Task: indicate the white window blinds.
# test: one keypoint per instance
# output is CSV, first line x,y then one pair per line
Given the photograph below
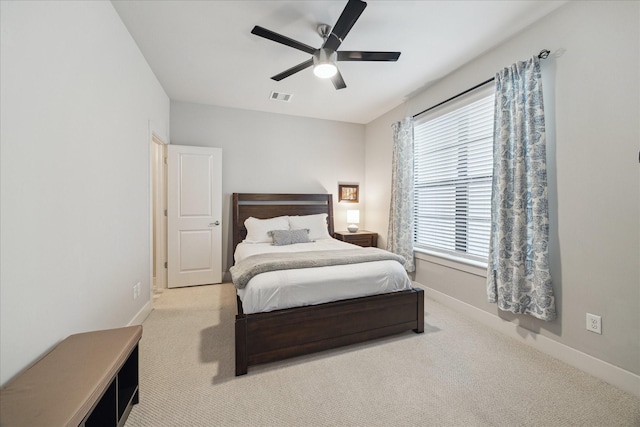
x,y
453,164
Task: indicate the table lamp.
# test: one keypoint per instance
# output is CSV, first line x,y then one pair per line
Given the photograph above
x,y
353,218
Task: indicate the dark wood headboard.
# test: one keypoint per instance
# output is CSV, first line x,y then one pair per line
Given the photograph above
x,y
266,205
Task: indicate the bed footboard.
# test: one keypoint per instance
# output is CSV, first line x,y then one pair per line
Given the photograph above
x,y
277,335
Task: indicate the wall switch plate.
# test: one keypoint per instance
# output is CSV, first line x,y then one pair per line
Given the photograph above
x,y
594,323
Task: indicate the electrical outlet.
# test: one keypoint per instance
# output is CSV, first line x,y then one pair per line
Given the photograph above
x,y
594,323
136,290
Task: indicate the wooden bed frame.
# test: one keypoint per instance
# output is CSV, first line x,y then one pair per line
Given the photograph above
x,y
276,335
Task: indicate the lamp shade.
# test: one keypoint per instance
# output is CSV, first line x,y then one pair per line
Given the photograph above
x,y
353,216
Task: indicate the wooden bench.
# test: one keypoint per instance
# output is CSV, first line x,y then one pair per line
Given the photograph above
x,y
89,379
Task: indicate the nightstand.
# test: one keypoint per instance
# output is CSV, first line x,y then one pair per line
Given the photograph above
x,y
361,238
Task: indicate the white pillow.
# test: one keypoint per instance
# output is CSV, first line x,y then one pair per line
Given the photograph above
x,y
258,229
317,225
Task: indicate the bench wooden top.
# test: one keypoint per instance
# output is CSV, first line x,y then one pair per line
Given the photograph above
x,y
61,388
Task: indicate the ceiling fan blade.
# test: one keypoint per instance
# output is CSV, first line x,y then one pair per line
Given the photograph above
x,y
347,19
279,38
367,56
338,81
293,70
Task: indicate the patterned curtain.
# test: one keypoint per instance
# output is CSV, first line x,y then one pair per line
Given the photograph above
x,y
400,236
518,276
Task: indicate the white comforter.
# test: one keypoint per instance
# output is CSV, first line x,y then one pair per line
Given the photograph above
x,y
276,290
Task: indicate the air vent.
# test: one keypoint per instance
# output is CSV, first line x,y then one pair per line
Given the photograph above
x,y
277,96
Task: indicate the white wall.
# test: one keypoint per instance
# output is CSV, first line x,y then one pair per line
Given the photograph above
x,y
274,153
76,100
591,89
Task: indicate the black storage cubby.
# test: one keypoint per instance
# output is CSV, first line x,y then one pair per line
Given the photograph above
x,y
115,404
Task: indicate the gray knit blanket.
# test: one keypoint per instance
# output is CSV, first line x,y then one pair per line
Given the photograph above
x,y
251,266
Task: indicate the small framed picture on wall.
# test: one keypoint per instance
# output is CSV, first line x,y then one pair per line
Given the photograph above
x,y
348,193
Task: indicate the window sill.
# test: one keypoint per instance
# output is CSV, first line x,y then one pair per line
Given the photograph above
x,y
469,266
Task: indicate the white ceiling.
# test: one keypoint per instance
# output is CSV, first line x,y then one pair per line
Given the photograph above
x,y
203,51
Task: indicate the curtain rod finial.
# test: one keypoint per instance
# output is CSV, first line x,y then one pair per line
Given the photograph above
x,y
544,54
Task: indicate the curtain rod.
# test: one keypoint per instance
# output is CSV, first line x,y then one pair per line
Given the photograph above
x,y
544,54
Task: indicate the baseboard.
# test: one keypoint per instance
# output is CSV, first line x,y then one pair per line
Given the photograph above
x,y
618,377
144,312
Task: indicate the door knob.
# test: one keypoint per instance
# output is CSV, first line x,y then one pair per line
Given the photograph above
x,y
214,223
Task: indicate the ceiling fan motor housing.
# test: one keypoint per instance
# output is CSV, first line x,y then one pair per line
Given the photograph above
x,y
324,56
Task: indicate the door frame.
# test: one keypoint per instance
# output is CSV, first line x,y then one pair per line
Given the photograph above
x,y
157,208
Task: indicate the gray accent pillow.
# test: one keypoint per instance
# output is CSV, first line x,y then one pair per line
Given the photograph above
x,y
289,237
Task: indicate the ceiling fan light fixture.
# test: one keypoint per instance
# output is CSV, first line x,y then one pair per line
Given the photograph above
x,y
324,63
325,71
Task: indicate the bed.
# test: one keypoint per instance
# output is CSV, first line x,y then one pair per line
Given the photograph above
x,y
262,337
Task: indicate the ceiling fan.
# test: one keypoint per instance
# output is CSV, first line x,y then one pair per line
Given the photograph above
x,y
324,59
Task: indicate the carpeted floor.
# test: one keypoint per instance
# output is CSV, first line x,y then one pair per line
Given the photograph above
x,y
458,373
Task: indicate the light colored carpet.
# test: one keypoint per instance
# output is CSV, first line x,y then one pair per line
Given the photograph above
x,y
458,373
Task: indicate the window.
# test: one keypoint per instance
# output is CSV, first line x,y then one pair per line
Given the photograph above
x,y
453,161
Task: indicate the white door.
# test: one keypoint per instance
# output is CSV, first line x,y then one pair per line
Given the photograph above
x,y
194,215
